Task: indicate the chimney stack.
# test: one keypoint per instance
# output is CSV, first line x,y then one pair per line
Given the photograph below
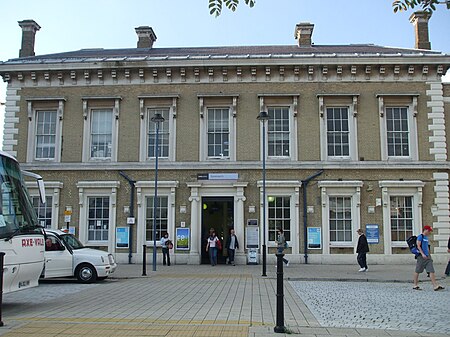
x,y
420,22
29,29
303,33
146,36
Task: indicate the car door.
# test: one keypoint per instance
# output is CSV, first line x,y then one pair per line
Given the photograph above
x,y
58,259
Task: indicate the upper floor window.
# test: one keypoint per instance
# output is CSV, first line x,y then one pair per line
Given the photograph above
x,y
218,132
278,132
163,133
101,133
281,127
101,128
218,126
397,131
338,132
166,105
398,127
45,117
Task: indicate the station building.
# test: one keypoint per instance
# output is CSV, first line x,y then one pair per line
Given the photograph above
x,y
356,138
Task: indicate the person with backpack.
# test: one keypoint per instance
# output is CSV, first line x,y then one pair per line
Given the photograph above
x,y
424,260
362,249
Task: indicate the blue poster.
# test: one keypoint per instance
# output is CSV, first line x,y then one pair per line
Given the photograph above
x,y
122,237
373,233
182,242
314,238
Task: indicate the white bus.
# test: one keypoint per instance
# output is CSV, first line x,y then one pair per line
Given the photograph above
x,y
21,236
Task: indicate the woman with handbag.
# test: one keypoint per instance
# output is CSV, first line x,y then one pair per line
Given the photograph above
x,y
166,245
212,246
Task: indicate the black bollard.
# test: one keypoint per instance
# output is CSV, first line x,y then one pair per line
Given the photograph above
x,y
280,328
2,258
144,260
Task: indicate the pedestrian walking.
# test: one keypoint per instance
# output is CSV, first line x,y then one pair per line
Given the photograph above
x,y
166,245
447,270
424,260
362,249
232,244
281,244
212,246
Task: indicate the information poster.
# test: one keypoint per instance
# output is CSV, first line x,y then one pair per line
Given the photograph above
x,y
314,238
373,233
252,237
122,237
183,235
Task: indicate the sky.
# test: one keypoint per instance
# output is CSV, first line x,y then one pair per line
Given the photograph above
x,y
74,25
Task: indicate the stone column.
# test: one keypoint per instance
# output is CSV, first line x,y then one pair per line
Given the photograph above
x,y
194,254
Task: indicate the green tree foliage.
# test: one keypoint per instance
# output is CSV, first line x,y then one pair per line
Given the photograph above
x,y
215,6
426,5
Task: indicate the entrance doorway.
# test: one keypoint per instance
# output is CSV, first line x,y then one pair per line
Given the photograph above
x,y
217,213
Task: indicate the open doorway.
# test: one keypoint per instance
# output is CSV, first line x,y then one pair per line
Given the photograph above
x,y
217,213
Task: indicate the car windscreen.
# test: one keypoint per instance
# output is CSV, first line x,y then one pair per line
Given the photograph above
x,y
71,241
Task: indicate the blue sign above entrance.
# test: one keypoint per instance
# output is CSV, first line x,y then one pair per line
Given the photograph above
x,y
217,176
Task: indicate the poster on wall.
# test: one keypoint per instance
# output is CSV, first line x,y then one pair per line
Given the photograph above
x,y
122,237
314,238
182,241
252,237
373,233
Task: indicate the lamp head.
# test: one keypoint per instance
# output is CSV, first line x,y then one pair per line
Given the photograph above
x,y
157,118
263,116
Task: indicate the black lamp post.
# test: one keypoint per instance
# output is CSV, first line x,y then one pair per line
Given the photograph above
x,y
157,118
263,117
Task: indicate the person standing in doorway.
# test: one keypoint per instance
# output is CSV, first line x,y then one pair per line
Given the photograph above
x,y
447,270
165,243
281,245
211,247
232,244
424,260
362,249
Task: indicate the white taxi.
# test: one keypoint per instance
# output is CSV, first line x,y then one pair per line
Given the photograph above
x,y
65,256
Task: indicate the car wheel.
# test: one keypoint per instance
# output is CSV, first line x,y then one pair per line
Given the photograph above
x,y
86,273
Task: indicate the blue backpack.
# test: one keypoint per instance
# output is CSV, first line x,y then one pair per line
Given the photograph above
x,y
412,244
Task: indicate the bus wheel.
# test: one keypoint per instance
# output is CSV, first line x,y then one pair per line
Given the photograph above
x,y
86,273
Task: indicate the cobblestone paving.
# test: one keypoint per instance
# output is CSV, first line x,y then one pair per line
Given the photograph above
x,y
376,305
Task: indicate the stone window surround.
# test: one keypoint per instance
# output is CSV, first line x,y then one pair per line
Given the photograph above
x,y
412,124
32,108
291,101
87,113
147,102
390,188
53,189
336,101
207,101
347,188
97,189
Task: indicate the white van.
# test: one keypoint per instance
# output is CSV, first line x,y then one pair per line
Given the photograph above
x,y
65,256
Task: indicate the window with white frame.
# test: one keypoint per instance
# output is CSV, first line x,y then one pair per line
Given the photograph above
x,y
101,133
218,132
46,123
402,217
397,131
340,218
98,218
43,211
398,127
341,214
278,132
163,133
45,116
338,140
279,216
162,217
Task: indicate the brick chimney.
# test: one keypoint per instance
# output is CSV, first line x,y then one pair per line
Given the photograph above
x,y
146,36
303,33
29,29
420,22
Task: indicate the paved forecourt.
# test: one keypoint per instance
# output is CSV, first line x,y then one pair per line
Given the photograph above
x,y
174,301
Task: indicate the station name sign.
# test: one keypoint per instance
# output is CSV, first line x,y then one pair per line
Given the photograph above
x,y
217,176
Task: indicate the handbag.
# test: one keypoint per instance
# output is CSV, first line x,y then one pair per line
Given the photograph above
x,y
218,244
170,245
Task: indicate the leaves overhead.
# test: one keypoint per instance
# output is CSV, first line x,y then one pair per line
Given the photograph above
x,y
215,6
425,5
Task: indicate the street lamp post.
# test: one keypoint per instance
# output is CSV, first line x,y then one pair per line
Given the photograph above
x,y
263,117
157,118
